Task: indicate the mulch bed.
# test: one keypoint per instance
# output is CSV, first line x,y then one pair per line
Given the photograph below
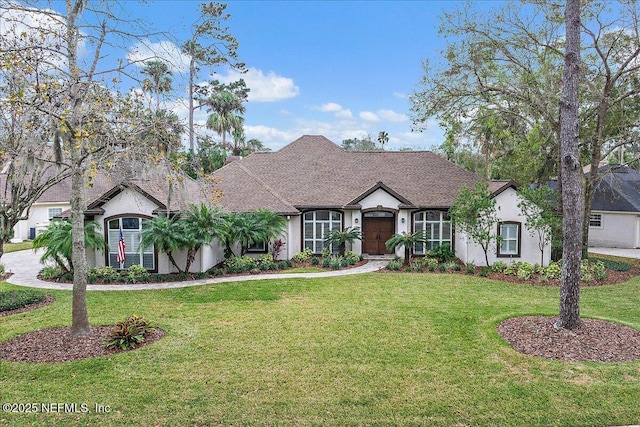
x,y
594,341
57,345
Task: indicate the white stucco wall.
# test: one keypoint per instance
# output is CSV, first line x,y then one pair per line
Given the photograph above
x,y
38,218
618,230
507,202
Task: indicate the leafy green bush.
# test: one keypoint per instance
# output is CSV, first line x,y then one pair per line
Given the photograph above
x,y
304,255
452,265
613,265
129,333
215,271
351,257
553,271
430,263
442,252
471,268
484,271
50,272
240,264
395,264
524,271
326,261
137,273
335,261
104,274
499,267
18,298
592,270
599,270
415,265
264,259
266,266
284,264
315,260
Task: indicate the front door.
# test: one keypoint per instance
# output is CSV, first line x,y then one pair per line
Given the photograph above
x,y
377,230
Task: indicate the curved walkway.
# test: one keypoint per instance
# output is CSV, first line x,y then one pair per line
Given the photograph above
x,y
25,266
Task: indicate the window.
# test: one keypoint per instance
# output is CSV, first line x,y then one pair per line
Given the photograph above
x,y
53,212
509,239
132,233
595,220
316,225
258,247
437,225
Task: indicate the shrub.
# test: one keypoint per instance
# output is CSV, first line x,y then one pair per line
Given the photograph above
x,y
430,263
215,271
264,259
325,261
129,333
499,267
442,252
137,273
525,271
351,257
304,255
553,271
452,265
511,269
201,275
315,260
415,265
240,264
282,265
599,270
18,298
484,271
471,268
326,252
265,266
395,264
613,265
105,274
335,261
50,272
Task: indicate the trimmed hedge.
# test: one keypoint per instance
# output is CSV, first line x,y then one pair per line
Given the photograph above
x,y
14,299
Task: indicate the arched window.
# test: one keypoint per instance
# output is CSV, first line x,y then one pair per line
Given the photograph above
x,y
437,225
131,228
316,225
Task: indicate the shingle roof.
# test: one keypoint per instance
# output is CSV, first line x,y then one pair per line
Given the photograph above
x,y
617,190
312,171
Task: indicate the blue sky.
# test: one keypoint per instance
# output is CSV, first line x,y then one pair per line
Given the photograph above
x,y
338,68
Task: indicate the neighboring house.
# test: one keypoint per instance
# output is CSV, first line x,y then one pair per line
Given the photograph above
x,y
615,211
320,187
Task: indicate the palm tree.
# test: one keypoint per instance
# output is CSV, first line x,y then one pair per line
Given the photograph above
x,y
202,223
406,239
57,241
341,238
270,224
383,138
225,117
160,79
166,234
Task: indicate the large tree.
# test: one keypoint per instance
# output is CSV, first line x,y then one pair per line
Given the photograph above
x,y
496,89
211,44
226,104
570,174
95,126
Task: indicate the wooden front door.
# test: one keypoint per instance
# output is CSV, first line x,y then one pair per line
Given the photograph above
x,y
376,230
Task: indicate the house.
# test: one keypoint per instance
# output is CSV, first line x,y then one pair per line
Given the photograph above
x,y
615,210
320,187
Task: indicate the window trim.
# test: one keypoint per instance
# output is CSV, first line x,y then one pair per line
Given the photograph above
x,y
442,221
106,238
58,212
518,254
314,211
600,220
258,248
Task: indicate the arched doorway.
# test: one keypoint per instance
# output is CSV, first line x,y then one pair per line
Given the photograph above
x,y
377,228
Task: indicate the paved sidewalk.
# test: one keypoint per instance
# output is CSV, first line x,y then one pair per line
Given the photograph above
x,y
25,266
626,253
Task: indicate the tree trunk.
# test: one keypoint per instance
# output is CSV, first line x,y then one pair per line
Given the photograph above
x,y
192,72
571,175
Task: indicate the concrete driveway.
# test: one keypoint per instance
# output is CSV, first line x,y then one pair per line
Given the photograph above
x,y
626,253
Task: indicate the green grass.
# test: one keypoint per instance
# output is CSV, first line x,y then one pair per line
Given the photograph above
x,y
13,247
374,349
303,270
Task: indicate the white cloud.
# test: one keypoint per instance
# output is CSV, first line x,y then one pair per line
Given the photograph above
x,y
368,116
264,87
400,95
392,116
165,51
330,107
344,115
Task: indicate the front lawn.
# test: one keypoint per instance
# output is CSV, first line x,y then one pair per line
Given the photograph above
x,y
381,349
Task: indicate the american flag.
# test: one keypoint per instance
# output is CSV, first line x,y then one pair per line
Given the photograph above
x,y
121,255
